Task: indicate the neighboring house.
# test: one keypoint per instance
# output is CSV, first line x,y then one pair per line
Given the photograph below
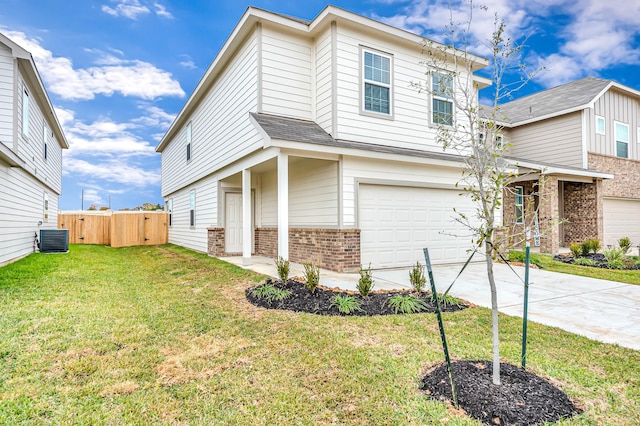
x,y
31,143
305,139
585,137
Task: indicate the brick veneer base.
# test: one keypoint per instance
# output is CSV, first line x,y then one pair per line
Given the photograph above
x,y
334,249
215,241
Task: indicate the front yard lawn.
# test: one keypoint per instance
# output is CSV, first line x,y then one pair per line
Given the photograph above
x,y
161,334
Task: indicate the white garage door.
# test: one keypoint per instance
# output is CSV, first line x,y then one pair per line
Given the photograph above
x,y
397,222
621,219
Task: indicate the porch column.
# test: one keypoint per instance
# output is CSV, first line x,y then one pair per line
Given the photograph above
x,y
549,216
247,223
283,205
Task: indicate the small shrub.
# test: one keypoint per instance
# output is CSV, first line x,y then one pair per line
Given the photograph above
x,y
365,282
585,248
417,278
594,245
282,267
576,250
625,244
407,304
312,276
446,300
616,264
346,304
270,292
614,254
585,261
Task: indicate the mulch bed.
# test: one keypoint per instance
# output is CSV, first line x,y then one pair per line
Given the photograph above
x,y
598,258
319,302
522,399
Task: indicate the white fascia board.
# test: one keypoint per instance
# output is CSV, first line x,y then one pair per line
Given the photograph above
x,y
247,162
554,170
548,116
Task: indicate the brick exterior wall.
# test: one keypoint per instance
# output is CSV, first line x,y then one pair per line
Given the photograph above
x,y
334,249
626,183
580,207
215,241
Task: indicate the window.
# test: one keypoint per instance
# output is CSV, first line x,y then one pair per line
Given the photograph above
x,y
622,140
45,207
442,95
499,141
25,113
45,139
519,204
170,210
599,125
188,130
192,208
377,82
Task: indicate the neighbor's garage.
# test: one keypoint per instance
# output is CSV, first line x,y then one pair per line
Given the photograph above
x,y
621,219
397,222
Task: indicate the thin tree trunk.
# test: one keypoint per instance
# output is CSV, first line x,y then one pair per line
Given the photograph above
x,y
494,310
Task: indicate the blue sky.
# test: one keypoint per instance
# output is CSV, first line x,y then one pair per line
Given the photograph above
x,y
119,71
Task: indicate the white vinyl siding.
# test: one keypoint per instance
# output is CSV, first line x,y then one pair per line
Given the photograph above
x,y
313,194
21,208
221,124
286,74
324,82
376,74
556,140
614,106
6,95
622,139
181,233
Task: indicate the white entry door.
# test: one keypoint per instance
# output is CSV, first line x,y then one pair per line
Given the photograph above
x,y
233,223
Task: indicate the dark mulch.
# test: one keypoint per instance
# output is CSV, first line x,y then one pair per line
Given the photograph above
x,y
319,302
598,258
522,399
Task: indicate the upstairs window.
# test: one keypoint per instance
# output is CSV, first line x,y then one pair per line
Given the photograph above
x,y
192,208
519,204
599,125
45,207
188,131
45,141
376,82
622,140
170,211
25,113
442,99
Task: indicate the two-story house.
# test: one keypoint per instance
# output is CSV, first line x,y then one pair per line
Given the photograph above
x,y
306,139
584,136
31,144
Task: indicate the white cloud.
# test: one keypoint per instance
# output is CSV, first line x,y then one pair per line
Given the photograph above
x,y
92,196
113,75
112,171
132,9
187,62
154,117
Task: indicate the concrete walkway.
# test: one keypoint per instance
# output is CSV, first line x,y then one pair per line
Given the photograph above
x,y
602,310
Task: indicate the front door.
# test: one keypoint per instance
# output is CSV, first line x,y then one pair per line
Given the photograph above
x,y
233,225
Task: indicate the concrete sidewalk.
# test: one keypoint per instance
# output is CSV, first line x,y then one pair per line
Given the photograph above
x,y
602,310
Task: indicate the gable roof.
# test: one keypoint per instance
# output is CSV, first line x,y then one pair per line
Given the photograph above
x,y
302,27
28,66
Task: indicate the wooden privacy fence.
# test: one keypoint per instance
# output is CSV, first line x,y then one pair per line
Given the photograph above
x,y
117,229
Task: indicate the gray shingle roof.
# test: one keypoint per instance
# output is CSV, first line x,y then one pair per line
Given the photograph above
x,y
296,130
554,100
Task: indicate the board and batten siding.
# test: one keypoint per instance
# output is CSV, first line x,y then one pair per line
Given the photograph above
x,y
6,95
613,106
180,232
389,173
324,83
286,74
220,125
313,194
21,208
557,140
409,124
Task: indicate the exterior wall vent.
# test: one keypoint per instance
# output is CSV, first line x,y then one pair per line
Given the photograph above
x,y
54,240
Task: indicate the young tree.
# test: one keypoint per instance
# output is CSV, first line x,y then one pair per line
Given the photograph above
x,y
473,131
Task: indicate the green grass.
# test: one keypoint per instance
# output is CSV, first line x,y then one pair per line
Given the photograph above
x,y
547,262
163,335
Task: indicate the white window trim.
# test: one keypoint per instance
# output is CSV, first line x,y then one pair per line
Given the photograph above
x,y
189,141
519,189
604,125
363,81
192,209
25,113
615,138
442,98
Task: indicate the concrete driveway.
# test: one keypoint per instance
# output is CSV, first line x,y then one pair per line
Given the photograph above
x,y
602,310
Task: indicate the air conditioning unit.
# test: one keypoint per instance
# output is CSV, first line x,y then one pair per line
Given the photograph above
x,y
54,240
